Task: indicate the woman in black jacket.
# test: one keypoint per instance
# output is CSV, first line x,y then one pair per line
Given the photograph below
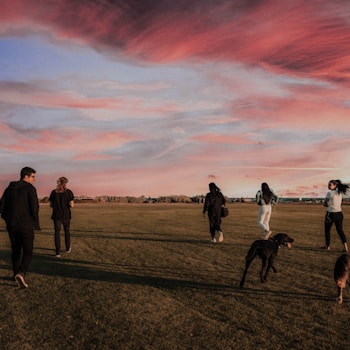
x,y
61,200
214,200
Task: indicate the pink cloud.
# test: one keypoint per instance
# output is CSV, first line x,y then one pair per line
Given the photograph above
x,y
39,95
34,95
306,38
222,139
76,141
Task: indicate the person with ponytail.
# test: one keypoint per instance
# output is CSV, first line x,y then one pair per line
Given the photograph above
x,y
214,200
265,198
334,214
61,200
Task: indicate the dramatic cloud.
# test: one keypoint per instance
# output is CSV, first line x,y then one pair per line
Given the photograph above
x,y
308,39
151,96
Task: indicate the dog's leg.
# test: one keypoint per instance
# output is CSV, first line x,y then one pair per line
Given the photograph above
x,y
269,265
263,265
247,264
340,295
272,259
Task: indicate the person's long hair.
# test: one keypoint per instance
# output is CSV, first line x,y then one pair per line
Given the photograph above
x,y
61,184
341,188
213,188
266,192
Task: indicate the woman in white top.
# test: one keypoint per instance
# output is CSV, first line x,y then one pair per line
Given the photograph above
x,y
264,198
334,213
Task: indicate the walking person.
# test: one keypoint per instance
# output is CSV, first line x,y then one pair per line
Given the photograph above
x,y
20,209
265,198
61,200
334,214
213,202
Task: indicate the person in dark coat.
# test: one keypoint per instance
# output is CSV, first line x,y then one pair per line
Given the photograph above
x,y
62,200
213,202
19,208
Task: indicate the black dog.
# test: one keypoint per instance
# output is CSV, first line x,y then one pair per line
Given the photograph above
x,y
341,274
267,250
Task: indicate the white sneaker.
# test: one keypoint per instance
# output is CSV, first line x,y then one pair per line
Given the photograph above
x,y
69,250
221,236
20,281
213,240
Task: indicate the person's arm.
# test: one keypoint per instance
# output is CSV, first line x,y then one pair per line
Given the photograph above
x,y
206,204
274,199
51,199
223,200
2,203
71,199
258,196
34,207
326,200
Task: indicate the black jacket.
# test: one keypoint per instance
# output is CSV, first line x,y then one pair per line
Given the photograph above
x,y
213,203
19,206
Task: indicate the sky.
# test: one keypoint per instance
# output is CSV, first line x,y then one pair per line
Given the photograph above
x,y
162,97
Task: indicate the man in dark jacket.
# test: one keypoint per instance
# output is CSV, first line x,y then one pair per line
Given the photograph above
x,y
20,209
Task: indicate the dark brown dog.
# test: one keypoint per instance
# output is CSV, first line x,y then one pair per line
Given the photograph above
x,y
341,274
267,250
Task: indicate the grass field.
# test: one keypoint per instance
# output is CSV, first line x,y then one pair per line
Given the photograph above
x,y
145,276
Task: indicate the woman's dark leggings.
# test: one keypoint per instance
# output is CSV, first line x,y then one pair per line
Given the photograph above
x,y
214,224
337,219
66,226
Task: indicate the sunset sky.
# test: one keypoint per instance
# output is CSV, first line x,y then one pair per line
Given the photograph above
x,y
161,97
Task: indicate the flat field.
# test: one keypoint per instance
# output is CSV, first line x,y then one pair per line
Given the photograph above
x,y
145,276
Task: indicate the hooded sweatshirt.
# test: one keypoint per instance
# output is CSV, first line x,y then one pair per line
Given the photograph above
x,y
20,206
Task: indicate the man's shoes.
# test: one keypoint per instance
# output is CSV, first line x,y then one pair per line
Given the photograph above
x,y
20,281
213,240
68,250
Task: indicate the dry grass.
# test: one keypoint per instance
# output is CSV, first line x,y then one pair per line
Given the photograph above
x,y
146,277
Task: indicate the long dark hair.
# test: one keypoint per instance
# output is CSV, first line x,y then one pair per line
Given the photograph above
x,y
266,192
213,188
343,188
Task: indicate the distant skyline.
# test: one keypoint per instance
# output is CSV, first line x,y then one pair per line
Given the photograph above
x,y
156,98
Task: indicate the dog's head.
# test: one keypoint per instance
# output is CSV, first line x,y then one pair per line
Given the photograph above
x,y
283,239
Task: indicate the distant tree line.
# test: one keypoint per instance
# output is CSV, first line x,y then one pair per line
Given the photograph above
x,y
180,199
141,199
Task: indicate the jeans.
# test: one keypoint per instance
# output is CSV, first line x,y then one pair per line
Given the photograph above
x,y
22,243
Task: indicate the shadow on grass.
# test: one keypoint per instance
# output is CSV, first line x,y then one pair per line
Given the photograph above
x,y
131,236
167,278
277,294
